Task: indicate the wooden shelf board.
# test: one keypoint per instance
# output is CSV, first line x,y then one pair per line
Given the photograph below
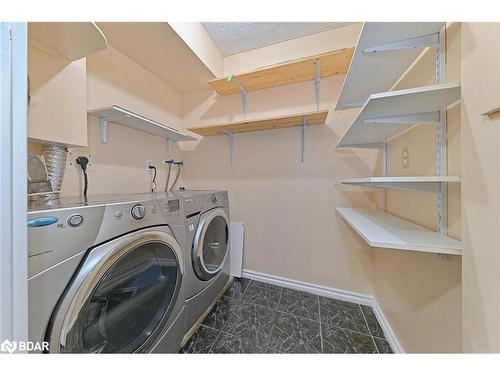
x,y
72,40
378,72
418,100
331,63
383,230
269,123
124,117
422,183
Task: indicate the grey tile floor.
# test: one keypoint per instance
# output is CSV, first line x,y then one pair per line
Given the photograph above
x,y
254,317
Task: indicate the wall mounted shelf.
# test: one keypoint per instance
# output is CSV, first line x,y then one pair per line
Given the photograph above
x,y
420,183
72,40
268,123
124,117
387,114
331,63
383,230
384,52
301,120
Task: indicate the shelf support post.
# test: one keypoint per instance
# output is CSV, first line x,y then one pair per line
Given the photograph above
x,y
244,97
317,83
303,128
230,138
383,172
441,137
103,130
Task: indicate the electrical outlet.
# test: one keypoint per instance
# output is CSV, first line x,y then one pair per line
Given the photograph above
x,y
149,163
71,161
405,158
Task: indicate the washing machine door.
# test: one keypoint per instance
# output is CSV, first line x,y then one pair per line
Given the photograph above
x,y
211,243
121,297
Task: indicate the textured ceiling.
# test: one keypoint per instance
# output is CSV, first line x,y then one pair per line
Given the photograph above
x,y
236,37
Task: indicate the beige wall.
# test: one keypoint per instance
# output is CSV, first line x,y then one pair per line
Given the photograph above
x,y
480,187
420,293
288,207
119,165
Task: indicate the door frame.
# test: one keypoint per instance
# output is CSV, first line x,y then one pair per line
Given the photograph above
x,y
13,183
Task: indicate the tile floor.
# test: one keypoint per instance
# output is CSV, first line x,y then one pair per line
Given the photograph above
x,y
254,317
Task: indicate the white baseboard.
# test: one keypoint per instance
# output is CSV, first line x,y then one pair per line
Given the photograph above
x,y
388,331
341,294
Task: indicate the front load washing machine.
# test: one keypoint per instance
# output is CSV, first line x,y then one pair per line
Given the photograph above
x,y
207,245
106,275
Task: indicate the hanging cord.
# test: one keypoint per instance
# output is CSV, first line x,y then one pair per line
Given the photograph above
x,y
169,162
83,161
153,182
179,165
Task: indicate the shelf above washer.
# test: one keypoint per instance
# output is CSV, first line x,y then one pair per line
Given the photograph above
x,y
419,183
124,117
72,40
331,63
268,123
389,113
383,230
384,52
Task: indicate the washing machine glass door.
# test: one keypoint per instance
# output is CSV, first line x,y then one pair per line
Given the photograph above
x,y
211,244
121,303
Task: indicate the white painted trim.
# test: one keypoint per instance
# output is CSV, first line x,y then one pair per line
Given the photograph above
x,y
13,173
386,327
341,294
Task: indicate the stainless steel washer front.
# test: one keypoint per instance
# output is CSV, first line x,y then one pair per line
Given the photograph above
x,y
122,297
211,243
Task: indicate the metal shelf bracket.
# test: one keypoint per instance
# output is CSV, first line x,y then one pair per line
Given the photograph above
x,y
169,147
430,40
317,83
103,130
244,97
415,118
230,138
303,128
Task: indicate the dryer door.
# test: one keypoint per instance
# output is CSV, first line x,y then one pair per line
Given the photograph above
x,y
211,244
121,297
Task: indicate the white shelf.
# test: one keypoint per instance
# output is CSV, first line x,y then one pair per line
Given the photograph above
x,y
387,114
124,117
371,72
380,229
421,183
72,40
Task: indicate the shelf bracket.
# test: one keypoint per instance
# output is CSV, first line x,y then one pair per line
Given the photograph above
x,y
303,128
430,40
169,147
244,97
415,118
103,130
317,83
230,138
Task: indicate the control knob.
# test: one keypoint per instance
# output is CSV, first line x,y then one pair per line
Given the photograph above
x,y
138,212
214,199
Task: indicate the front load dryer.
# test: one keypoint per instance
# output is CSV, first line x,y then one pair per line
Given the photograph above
x,y
105,277
207,245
